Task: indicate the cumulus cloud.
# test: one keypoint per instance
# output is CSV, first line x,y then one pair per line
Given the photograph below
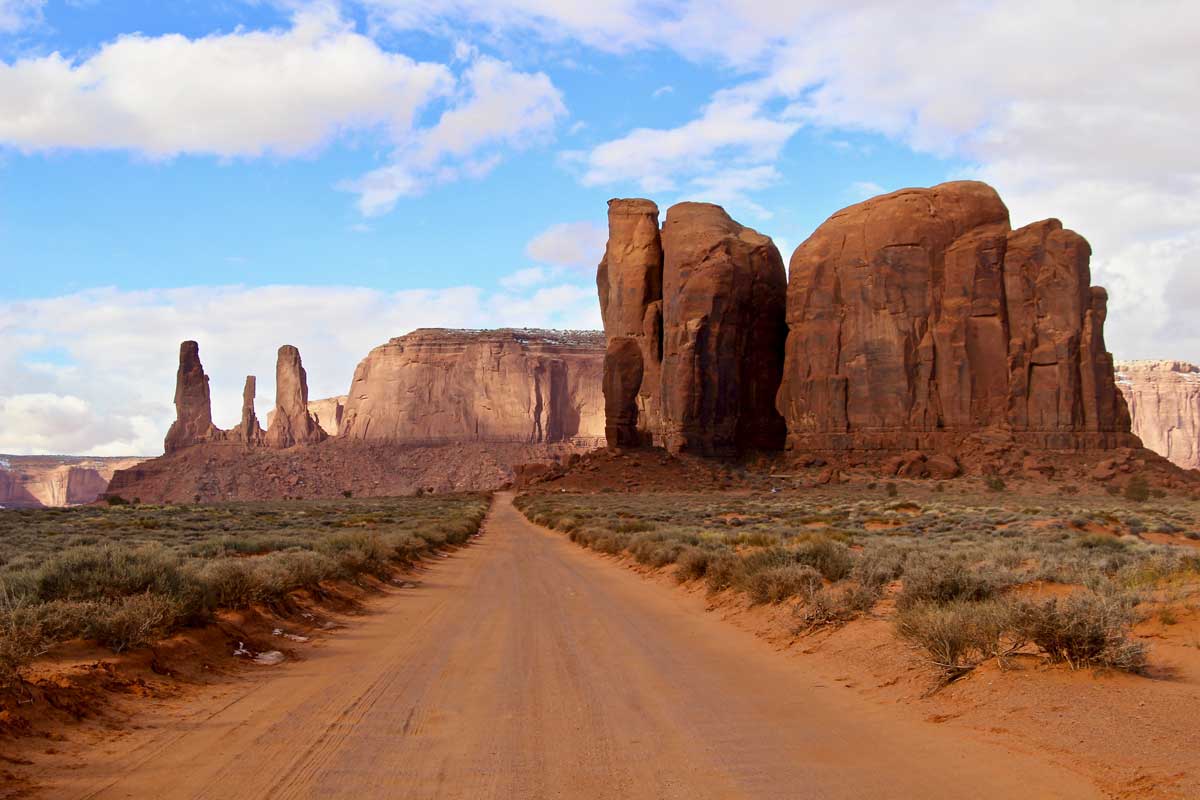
x,y
119,350
731,132
285,93
576,245
497,106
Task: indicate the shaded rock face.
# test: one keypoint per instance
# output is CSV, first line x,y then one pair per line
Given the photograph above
x,y
919,317
291,424
193,408
694,319
327,411
1164,403
248,430
437,386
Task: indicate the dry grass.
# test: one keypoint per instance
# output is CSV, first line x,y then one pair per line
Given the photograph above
x,y
951,562
126,575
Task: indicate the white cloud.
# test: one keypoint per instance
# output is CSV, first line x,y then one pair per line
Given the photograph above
x,y
498,106
526,278
732,187
732,131
284,93
119,349
660,91
18,14
246,93
578,245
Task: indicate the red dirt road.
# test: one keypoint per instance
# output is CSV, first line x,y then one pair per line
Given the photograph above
x,y
526,667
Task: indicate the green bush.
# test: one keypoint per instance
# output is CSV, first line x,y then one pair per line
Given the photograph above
x,y
832,559
692,563
1137,489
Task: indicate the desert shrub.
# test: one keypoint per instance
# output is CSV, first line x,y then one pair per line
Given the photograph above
x,y
633,526
959,635
101,572
721,571
692,563
945,581
838,604
891,489
1100,542
775,584
879,565
1137,489
22,638
131,621
994,483
1085,629
365,552
230,581
832,559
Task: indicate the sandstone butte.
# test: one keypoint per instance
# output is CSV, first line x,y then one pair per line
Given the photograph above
x,y
1164,402
437,385
437,409
914,321
693,315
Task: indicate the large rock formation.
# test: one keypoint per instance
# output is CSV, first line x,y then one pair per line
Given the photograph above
x,y
694,320
919,318
52,481
436,386
291,424
193,407
1164,403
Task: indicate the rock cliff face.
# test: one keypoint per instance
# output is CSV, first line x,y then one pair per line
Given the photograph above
x,y
919,317
327,412
33,481
437,386
693,315
1164,402
291,424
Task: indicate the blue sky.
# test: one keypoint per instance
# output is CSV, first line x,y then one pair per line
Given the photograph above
x,y
329,174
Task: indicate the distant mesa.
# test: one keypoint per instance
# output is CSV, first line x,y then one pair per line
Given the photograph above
x,y
437,385
55,481
1164,402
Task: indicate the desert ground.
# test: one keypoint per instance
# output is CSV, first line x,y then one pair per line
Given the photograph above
x,y
518,663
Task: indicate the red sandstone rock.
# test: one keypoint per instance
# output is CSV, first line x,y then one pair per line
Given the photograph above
x,y
328,412
248,430
292,424
693,316
919,318
193,408
436,385
942,467
1164,403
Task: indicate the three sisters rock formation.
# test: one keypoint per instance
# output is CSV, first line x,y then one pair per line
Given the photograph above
x,y
911,321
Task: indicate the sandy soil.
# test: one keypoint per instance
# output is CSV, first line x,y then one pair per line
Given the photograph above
x,y
525,667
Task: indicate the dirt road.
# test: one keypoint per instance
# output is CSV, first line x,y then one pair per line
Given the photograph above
x,y
525,667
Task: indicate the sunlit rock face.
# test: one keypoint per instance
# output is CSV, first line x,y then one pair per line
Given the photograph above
x,y
919,317
1164,403
438,385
